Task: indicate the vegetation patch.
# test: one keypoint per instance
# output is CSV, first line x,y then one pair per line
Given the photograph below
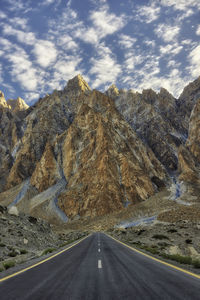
x,y
179,258
196,263
12,254
172,230
160,237
9,264
188,241
2,245
48,250
23,251
151,249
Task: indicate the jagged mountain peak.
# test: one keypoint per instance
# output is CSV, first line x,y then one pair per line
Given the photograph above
x,y
17,104
164,92
77,84
112,91
3,102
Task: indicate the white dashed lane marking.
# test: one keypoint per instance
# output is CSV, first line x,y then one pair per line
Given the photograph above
x,y
99,264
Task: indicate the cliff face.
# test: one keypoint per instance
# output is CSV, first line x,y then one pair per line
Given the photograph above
x,y
189,156
84,153
153,117
11,131
104,162
187,100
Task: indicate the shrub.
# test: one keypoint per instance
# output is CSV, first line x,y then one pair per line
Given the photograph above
x,y
23,251
12,254
179,258
2,245
48,250
172,230
1,269
9,264
188,241
160,237
196,263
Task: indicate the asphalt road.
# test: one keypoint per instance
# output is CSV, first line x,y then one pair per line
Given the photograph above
x,y
100,268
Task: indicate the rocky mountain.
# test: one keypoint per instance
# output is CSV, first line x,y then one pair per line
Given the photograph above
x,y
79,153
154,118
11,131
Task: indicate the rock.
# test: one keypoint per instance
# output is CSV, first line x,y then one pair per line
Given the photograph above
x,y
112,92
146,113
17,105
46,172
32,220
102,170
173,250
76,86
25,241
193,253
193,141
187,100
13,211
3,103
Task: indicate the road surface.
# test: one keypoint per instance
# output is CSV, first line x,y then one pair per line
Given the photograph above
x,y
100,268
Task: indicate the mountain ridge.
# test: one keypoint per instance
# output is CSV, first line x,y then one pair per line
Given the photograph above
x,y
112,149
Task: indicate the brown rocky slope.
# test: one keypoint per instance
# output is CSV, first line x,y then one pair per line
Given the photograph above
x,y
80,152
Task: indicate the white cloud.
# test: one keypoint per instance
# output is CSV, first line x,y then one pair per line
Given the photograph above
x,y
173,63
67,66
20,22
22,36
180,4
151,43
186,42
5,44
132,59
167,33
29,97
89,35
2,15
67,42
126,41
45,53
198,30
22,69
171,49
104,67
47,2
19,5
194,58
186,14
103,24
148,13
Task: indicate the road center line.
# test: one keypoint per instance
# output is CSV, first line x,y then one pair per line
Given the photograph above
x,y
99,264
99,250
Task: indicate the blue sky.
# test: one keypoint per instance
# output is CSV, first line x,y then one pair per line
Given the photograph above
x,y
135,44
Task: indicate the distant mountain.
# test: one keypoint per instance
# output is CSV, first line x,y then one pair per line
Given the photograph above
x,y
81,153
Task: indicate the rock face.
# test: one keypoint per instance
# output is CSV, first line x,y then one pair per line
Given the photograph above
x,y
187,100
153,117
104,162
46,172
83,153
189,156
11,131
17,105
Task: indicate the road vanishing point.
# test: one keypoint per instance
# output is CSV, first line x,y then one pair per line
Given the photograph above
x,y
100,268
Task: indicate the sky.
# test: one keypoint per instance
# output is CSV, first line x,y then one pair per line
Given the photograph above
x,y
135,44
